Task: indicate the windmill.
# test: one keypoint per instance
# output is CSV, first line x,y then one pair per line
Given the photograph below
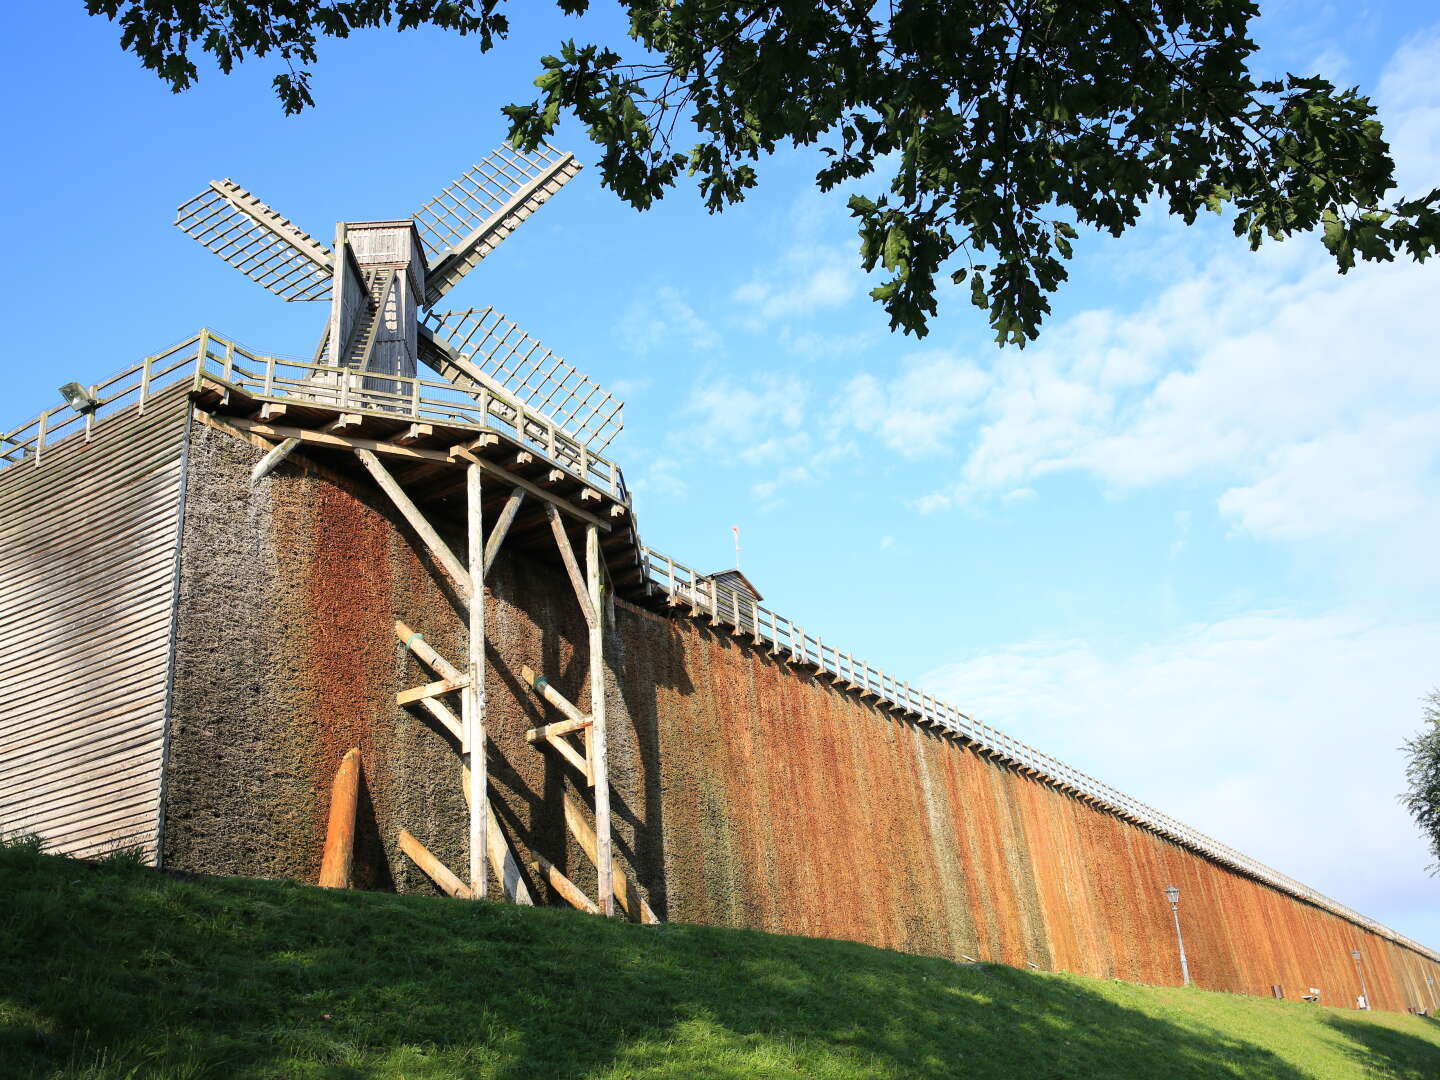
x,y
383,278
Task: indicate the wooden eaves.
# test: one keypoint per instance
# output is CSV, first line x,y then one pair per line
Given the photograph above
x,y
428,461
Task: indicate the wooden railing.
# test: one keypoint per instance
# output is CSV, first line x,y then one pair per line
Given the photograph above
x,y
278,379
722,604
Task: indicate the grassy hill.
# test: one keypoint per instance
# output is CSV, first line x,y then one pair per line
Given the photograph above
x,y
111,969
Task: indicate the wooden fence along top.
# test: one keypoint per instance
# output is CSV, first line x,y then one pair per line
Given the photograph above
x,y
207,356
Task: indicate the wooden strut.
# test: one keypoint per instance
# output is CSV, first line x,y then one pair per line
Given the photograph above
x,y
437,871
267,464
562,884
438,548
440,711
473,701
430,690
553,734
502,858
337,862
599,756
625,890
502,526
567,556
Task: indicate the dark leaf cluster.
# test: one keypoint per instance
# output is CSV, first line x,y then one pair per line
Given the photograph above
x,y
1422,776
987,130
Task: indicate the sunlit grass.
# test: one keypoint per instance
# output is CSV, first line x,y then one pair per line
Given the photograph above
x,y
113,970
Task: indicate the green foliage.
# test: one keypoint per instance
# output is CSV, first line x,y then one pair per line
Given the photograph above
x,y
1422,776
114,970
995,126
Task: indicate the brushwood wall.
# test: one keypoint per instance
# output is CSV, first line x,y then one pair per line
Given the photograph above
x,y
746,792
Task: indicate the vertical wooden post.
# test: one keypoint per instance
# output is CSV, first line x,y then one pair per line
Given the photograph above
x,y
600,758
336,865
473,703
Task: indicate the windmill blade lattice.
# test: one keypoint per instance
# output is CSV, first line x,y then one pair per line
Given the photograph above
x,y
475,214
257,241
532,373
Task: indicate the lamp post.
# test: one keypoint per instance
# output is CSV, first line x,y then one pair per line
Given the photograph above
x,y
1173,895
1360,970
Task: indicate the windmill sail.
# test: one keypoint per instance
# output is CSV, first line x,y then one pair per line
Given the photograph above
x,y
472,216
257,241
492,346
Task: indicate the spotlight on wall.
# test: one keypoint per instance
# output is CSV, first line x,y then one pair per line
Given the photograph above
x,y
79,399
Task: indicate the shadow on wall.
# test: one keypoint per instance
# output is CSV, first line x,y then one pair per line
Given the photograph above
x,y
1383,1051
112,967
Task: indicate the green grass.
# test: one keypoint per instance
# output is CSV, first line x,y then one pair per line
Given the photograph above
x,y
111,969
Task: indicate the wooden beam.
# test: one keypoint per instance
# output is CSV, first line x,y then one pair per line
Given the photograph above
x,y
534,489
266,465
345,422
273,410
554,731
246,433
430,690
337,861
502,858
599,756
437,871
625,891
562,884
570,754
447,719
414,433
417,644
438,548
541,686
474,699
339,442
567,556
502,526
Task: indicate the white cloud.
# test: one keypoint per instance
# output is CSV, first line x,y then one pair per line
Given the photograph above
x,y
918,411
805,279
1409,102
1272,732
664,318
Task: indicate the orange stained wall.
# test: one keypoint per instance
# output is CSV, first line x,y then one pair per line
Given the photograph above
x,y
791,805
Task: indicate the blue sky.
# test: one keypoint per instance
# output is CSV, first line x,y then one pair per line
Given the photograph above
x,y
1185,541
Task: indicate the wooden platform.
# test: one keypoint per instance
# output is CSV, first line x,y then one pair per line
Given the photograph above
x,y
426,461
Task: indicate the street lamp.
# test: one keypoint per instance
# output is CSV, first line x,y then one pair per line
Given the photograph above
x,y
1360,970
1173,895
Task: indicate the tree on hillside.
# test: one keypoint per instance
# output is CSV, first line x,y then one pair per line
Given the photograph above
x,y
996,126
1422,774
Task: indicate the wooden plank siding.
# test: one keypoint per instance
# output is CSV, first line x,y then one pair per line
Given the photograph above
x,y
88,546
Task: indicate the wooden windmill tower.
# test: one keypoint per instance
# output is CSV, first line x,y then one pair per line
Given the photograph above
x,y
383,278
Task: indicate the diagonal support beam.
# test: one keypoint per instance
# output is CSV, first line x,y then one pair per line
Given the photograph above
x,y
562,884
442,667
625,890
573,756
437,870
502,856
416,643
541,686
266,465
567,556
502,526
438,548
